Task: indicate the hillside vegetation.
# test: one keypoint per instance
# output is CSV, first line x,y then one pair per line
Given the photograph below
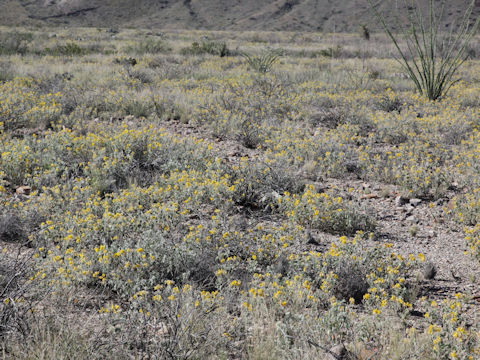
x,y
304,15
233,195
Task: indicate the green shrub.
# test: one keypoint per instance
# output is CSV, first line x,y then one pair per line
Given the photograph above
x,y
68,49
207,47
12,43
148,46
331,52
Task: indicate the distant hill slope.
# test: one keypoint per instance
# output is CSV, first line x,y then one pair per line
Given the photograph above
x,y
305,15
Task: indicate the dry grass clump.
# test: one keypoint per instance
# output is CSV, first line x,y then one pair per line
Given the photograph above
x,y
11,228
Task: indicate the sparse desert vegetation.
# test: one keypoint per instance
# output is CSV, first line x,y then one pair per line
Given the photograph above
x,y
234,195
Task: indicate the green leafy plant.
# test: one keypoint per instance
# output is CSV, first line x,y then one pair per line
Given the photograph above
x,y
263,62
207,47
430,58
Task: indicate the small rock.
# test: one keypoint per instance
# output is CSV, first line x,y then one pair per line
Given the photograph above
x,y
269,198
431,233
415,202
162,330
370,196
24,190
366,354
409,209
400,201
234,153
453,186
311,240
451,204
455,276
429,271
412,219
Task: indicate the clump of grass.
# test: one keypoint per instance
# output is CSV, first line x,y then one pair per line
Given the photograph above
x,y
351,282
329,118
11,228
430,59
262,63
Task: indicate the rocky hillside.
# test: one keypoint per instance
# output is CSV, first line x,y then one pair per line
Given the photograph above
x,y
304,15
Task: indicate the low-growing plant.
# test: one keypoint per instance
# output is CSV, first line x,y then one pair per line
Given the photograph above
x,y
15,307
12,228
250,135
22,104
207,47
138,108
217,240
170,322
329,118
258,185
351,282
6,72
68,49
390,103
125,61
149,46
326,212
262,63
332,52
12,43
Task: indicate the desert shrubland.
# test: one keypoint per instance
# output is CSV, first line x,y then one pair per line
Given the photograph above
x,y
187,202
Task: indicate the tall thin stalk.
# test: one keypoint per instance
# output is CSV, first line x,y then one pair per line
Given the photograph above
x,y
430,58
